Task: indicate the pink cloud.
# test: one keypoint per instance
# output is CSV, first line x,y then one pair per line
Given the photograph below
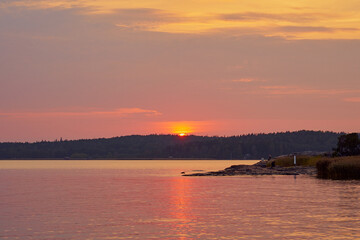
x,y
120,113
244,80
354,99
295,90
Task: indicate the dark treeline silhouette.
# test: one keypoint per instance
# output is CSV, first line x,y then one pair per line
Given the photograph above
x,y
348,145
251,146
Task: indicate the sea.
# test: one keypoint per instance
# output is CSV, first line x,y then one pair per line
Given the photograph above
x,y
150,199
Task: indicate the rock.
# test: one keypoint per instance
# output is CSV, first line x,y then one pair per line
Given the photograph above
x,y
258,169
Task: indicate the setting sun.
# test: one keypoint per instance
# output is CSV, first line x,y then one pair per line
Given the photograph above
x,y
182,128
185,128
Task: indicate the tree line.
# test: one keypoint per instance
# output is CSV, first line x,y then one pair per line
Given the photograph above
x,y
250,146
348,145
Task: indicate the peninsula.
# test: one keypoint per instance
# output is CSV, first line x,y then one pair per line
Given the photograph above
x,y
259,168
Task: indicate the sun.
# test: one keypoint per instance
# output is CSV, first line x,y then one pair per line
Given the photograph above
x,y
180,128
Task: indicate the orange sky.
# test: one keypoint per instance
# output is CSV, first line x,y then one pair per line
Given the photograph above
x,y
86,69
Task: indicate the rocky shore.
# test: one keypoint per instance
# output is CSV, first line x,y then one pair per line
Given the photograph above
x,y
259,169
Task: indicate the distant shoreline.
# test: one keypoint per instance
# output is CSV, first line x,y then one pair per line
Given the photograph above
x,y
123,159
150,147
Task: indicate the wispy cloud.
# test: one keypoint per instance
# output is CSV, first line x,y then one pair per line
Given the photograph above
x,y
160,16
249,80
262,16
309,29
353,99
120,113
244,80
142,19
296,90
42,4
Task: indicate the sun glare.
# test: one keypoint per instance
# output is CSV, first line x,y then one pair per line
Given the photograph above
x,y
182,129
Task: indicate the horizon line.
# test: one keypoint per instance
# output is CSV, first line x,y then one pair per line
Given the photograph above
x,y
175,134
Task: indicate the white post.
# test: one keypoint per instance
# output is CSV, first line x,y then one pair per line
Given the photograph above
x,y
294,159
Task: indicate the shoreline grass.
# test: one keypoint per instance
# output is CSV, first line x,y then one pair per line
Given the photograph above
x,y
336,168
339,168
301,160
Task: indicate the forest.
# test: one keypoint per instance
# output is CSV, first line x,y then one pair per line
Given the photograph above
x,y
250,146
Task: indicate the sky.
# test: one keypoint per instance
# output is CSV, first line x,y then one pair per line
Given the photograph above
x,y
91,69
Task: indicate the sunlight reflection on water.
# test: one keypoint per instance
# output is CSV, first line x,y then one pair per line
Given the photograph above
x,y
140,202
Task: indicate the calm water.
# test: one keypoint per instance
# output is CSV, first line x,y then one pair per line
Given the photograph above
x,y
150,200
